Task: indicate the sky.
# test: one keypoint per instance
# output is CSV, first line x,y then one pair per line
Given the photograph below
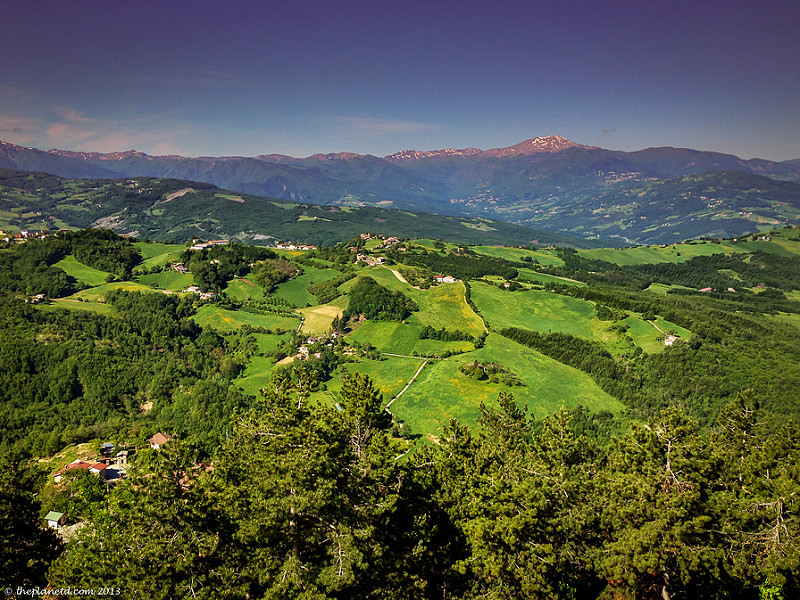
x,y
214,78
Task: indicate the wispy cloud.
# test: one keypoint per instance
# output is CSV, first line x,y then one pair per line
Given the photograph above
x,y
608,131
375,126
59,126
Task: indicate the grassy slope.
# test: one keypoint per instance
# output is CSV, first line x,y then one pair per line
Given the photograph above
x,y
779,244
650,339
86,275
540,311
228,320
545,257
168,280
441,392
295,290
157,254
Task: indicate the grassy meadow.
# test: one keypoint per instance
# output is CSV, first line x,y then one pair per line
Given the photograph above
x,y
540,311
441,392
82,273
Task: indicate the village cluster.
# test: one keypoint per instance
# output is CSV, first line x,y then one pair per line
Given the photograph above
x,y
110,467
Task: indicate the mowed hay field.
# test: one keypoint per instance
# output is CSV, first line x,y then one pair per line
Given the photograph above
x,y
318,319
229,320
82,273
540,311
441,392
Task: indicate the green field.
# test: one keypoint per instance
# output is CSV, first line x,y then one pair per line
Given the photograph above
x,y
167,280
676,253
229,320
99,292
401,338
541,311
441,392
74,304
531,275
440,306
545,257
244,289
648,337
86,275
257,375
295,291
157,254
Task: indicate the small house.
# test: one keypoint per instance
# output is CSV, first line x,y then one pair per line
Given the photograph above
x,y
55,520
159,440
670,339
106,449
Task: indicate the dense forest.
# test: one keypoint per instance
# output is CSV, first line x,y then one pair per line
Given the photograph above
x,y
309,502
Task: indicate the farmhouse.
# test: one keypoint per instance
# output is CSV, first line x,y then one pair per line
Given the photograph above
x,y
444,279
670,339
96,468
159,440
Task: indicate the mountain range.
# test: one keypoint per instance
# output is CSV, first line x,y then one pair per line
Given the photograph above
x,y
656,195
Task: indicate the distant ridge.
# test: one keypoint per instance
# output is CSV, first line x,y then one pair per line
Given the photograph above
x,y
548,144
658,194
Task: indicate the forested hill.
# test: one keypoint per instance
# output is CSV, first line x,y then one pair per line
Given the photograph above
x,y
170,209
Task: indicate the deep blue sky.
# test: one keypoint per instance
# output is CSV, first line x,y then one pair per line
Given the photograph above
x,y
247,78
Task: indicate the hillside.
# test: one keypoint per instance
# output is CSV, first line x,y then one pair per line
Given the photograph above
x,y
170,209
549,182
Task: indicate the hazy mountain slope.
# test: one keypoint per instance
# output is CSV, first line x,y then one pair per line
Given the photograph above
x,y
550,182
170,209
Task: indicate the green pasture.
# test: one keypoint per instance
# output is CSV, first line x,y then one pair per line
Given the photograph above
x,y
167,280
676,253
545,257
441,392
244,289
647,337
268,341
402,338
541,311
73,304
98,293
440,306
259,369
228,320
295,290
257,375
531,275
445,306
663,288
84,274
157,254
